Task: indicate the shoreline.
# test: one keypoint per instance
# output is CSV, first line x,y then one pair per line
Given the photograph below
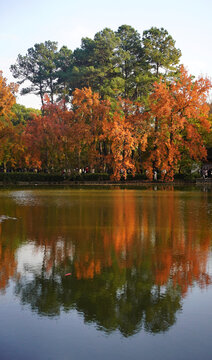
x,y
198,182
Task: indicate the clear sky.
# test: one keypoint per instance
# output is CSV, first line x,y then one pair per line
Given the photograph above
x,y
26,22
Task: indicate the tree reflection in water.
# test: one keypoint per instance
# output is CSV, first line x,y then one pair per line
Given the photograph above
x,y
133,255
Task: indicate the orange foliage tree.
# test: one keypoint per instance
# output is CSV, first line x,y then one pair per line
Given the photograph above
x,y
46,137
7,97
177,117
60,135
8,134
90,114
126,131
121,136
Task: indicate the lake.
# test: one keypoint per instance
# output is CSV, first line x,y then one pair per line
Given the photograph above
x,y
105,273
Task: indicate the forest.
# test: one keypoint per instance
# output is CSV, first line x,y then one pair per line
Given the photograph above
x,y
121,104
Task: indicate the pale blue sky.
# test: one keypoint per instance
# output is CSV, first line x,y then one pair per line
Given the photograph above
x,y
26,22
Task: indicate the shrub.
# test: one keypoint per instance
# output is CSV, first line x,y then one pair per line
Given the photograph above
x,y
14,177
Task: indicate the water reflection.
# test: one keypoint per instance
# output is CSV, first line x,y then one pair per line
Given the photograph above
x,y
133,255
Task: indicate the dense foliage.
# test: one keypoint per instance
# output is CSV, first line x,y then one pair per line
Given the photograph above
x,y
119,63
120,104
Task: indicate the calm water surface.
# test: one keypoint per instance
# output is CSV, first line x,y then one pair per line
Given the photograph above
x,y
141,274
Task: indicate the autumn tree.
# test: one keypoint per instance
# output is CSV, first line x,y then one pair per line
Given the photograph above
x,y
7,131
127,132
7,95
89,115
177,117
109,135
45,137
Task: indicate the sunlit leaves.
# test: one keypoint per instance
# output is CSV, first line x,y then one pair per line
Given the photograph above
x,y
178,116
7,95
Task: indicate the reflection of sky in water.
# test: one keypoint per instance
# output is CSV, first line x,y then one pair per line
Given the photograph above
x,y
30,257
25,198
44,198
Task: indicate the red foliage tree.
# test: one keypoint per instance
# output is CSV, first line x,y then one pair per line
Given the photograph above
x,y
46,137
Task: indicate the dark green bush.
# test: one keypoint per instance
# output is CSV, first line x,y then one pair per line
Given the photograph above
x,y
187,177
136,177
15,177
89,177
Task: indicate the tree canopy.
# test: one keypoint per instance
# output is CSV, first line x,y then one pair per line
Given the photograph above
x,y
120,103
114,63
